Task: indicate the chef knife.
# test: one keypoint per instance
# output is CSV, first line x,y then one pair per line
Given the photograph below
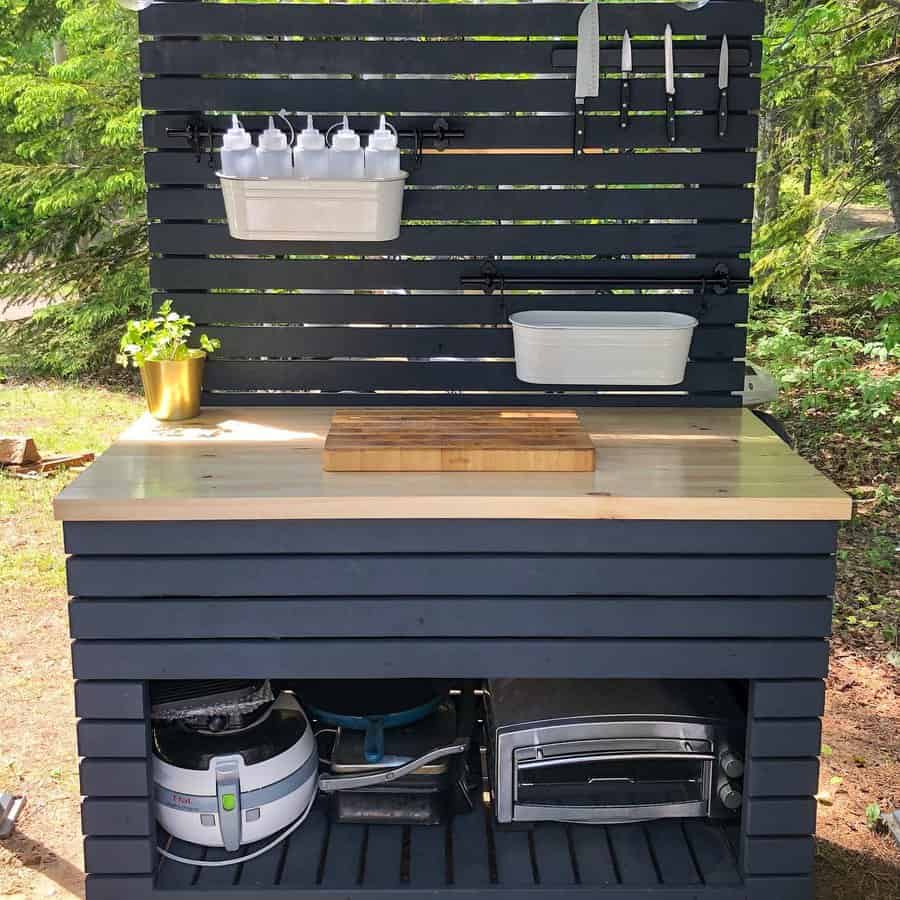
x,y
723,87
587,69
670,86
625,103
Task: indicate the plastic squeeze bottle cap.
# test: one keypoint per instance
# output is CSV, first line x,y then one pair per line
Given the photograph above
x,y
346,138
311,138
383,138
273,138
236,138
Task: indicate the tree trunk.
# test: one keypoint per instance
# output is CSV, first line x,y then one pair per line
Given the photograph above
x,y
887,151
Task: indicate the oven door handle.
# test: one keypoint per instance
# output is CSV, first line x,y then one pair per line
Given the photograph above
x,y
610,757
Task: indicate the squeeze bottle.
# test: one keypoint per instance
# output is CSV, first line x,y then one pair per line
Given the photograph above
x,y
310,153
273,154
238,156
345,159
382,153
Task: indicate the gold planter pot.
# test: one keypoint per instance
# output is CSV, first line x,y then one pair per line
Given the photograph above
x,y
172,388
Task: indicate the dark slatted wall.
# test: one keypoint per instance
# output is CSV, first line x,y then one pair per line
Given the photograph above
x,y
300,322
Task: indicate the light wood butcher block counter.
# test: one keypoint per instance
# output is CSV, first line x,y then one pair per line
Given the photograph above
x,y
266,463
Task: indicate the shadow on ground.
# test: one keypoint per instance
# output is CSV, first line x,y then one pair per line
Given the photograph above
x,y
843,874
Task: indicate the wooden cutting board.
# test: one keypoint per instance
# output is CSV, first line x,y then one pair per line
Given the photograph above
x,y
457,440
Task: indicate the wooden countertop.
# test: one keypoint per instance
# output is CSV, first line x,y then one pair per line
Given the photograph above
x,y
265,463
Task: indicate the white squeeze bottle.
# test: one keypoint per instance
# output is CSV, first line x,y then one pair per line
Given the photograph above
x,y
345,159
310,154
382,154
273,154
238,156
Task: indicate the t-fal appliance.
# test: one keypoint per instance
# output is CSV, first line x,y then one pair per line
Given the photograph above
x,y
608,751
232,763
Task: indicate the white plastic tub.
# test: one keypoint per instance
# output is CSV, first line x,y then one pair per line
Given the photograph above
x,y
307,209
608,348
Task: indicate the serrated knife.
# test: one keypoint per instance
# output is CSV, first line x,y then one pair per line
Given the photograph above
x,y
587,70
625,101
670,86
723,87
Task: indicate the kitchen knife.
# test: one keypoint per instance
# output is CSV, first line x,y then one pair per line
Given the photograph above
x,y
625,104
670,86
587,69
723,87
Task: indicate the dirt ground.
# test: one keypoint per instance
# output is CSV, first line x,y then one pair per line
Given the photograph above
x,y
861,752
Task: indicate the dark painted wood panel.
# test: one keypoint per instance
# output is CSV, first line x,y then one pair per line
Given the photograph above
x,y
332,274
786,887
781,816
350,375
117,817
441,20
501,205
108,777
468,658
787,699
475,575
119,855
785,737
727,168
450,617
778,856
435,309
781,777
344,57
111,700
297,342
126,740
415,96
356,536
535,131
721,239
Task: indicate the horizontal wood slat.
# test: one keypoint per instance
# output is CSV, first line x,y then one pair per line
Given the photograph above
x,y
109,777
787,699
451,575
114,887
117,817
129,740
299,342
656,617
781,777
779,856
119,855
355,536
441,20
338,57
726,168
781,816
410,96
349,375
461,205
436,309
350,274
470,240
436,658
785,737
111,700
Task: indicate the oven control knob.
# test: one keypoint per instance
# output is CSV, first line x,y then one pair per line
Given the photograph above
x,y
731,764
730,796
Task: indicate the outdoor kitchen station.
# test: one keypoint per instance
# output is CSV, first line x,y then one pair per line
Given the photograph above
x,y
475,576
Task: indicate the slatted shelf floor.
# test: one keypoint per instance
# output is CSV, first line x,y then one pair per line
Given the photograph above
x,y
472,854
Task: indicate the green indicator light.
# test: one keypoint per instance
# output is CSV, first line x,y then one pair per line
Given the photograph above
x,y
228,802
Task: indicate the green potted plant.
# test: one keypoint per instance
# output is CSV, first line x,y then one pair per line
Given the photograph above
x,y
172,372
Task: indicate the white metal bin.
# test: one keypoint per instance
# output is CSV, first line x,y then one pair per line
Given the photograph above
x,y
608,348
306,209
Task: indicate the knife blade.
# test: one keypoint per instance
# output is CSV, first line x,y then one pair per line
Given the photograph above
x,y
670,86
723,87
587,69
625,102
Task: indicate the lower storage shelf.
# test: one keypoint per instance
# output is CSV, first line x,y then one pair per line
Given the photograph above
x,y
472,857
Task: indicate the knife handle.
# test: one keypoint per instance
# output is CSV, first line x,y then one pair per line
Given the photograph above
x,y
723,112
578,128
670,118
625,103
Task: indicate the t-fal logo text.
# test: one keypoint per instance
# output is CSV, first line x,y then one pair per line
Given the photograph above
x,y
181,800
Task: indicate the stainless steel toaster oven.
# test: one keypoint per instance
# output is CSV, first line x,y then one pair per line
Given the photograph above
x,y
607,751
